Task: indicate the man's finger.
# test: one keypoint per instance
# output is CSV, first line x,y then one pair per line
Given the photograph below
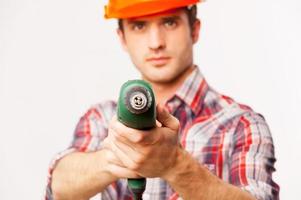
x,y
166,119
112,159
122,132
124,157
122,172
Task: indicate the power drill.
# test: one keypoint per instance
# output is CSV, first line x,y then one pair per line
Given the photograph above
x,y
136,109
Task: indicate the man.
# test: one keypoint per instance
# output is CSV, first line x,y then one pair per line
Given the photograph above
x,y
205,145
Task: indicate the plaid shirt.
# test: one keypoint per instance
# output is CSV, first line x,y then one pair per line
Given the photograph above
x,y
228,138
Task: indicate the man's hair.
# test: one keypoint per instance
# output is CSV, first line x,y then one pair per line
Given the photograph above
x,y
190,11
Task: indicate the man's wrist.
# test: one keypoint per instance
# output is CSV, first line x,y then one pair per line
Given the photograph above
x,y
188,177
179,166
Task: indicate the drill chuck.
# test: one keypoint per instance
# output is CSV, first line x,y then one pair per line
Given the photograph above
x,y
138,101
136,105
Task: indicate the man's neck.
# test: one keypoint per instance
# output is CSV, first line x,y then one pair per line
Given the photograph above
x,y
164,91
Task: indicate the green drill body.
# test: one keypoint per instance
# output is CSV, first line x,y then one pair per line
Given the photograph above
x,y
137,109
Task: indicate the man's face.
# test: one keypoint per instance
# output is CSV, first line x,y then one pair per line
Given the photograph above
x,y
160,45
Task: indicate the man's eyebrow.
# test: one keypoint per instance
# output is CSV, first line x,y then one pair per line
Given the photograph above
x,y
175,17
135,21
138,21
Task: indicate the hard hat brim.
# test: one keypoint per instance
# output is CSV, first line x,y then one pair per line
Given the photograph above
x,y
146,7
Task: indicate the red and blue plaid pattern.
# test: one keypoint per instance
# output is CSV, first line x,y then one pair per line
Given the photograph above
x,y
230,139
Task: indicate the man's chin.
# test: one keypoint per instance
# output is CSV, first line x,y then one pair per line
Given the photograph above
x,y
161,78
159,74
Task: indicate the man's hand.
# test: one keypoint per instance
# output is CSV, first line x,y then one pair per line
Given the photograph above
x,y
148,153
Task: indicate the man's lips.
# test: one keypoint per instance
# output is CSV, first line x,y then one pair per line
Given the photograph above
x,y
158,61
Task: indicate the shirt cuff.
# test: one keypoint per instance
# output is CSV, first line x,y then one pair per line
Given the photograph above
x,y
48,193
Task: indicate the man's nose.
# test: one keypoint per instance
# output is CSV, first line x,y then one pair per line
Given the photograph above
x,y
156,38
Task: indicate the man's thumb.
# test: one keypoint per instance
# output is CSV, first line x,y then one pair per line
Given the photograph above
x,y
166,119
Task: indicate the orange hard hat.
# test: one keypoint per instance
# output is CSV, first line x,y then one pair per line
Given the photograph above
x,y
134,8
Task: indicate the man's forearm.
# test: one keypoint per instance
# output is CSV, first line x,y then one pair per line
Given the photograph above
x,y
80,176
194,182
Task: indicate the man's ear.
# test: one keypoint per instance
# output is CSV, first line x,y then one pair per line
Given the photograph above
x,y
122,39
196,30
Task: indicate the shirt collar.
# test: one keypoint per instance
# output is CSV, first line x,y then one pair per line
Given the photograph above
x,y
193,91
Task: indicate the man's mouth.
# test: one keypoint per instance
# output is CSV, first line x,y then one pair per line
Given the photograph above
x,y
158,61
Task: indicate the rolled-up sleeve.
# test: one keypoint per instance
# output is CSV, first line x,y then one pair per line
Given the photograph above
x,y
252,159
89,133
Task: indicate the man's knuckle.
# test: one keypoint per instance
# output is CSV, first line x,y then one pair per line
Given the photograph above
x,y
134,166
147,153
139,161
139,138
176,123
117,136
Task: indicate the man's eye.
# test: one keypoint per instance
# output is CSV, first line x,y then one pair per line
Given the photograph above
x,y
170,23
138,26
